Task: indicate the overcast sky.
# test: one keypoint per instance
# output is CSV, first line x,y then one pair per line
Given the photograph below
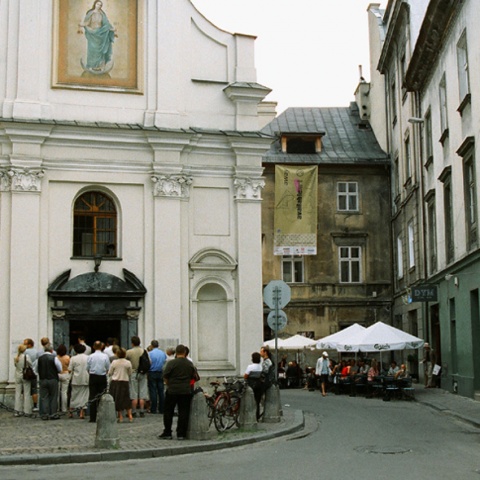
x,y
307,51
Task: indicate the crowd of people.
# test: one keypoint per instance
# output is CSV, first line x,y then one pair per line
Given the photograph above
x,y
72,382
329,375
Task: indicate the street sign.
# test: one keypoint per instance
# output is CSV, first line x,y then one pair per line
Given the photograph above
x,y
424,293
276,294
277,321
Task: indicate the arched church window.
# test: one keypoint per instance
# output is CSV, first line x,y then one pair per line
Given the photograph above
x,y
94,226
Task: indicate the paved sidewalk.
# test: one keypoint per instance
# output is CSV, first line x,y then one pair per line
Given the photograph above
x,y
462,408
25,440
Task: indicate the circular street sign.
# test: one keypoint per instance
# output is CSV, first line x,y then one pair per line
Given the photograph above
x,y
277,322
276,291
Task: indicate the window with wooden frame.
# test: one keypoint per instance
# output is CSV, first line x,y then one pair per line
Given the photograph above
x,y
94,225
350,259
293,269
446,179
442,93
463,74
428,138
347,196
467,152
431,232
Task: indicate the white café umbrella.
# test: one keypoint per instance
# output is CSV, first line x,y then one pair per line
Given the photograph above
x,y
382,337
295,342
337,340
271,343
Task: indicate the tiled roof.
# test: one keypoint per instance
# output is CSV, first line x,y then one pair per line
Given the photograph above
x,y
345,138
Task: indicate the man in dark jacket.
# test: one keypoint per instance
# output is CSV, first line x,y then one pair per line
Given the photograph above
x,y
48,367
177,375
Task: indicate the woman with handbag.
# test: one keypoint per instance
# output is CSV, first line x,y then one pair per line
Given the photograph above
x,y
23,398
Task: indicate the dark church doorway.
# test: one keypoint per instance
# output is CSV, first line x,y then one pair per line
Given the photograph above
x,y
95,329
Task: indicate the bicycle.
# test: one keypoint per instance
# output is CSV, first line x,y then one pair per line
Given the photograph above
x,y
227,408
224,405
211,399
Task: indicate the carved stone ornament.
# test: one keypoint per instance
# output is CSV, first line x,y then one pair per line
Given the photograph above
x,y
248,188
133,314
58,314
5,181
174,186
25,179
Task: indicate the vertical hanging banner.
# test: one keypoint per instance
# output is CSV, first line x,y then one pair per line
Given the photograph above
x,y
295,219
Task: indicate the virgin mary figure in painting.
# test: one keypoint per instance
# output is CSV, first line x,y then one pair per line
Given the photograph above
x,y
100,35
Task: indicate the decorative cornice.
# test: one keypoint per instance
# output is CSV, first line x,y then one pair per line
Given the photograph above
x,y
18,179
172,186
437,22
248,189
246,92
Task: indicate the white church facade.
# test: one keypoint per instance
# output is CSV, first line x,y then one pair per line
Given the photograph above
x,y
130,179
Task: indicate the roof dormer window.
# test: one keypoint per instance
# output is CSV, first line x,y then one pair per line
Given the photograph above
x,y
302,143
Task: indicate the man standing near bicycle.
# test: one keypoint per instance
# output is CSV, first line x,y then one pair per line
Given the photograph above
x,y
253,376
268,368
177,375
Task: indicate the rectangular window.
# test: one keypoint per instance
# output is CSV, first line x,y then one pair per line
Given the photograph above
x,y
399,257
453,335
448,212
396,178
428,137
471,219
432,237
347,196
403,71
408,168
411,246
393,102
443,105
293,269
350,264
462,64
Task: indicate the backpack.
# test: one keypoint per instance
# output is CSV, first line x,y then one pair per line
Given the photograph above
x,y
144,363
268,378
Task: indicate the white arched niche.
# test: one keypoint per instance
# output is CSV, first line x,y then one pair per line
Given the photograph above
x,y
213,311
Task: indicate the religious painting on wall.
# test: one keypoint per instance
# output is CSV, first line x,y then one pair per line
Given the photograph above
x,y
97,45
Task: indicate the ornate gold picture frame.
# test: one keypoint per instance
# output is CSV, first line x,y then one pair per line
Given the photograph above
x,y
97,45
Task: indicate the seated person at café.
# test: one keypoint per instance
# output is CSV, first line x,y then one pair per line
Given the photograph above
x,y
402,372
294,374
393,369
353,368
363,367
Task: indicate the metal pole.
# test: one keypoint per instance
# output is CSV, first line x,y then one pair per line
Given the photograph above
x,y
275,296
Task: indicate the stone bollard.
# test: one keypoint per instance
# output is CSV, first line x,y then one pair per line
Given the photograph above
x,y
107,431
273,410
198,423
248,409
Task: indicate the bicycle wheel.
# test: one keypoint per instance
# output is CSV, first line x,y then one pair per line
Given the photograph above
x,y
234,412
220,412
